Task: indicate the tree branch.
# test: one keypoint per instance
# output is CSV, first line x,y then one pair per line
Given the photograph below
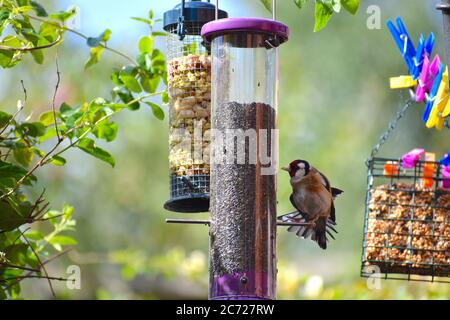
x,y
41,265
58,75
28,49
73,143
81,35
12,266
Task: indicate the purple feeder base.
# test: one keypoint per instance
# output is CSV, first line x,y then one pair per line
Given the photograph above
x,y
243,286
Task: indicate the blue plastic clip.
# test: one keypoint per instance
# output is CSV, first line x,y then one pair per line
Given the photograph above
x,y
404,43
430,44
424,48
418,59
433,92
445,161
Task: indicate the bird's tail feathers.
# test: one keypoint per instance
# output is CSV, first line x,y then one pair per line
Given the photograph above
x,y
290,216
296,217
324,229
319,232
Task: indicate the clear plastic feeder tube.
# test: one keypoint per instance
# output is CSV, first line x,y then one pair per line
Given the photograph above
x,y
244,157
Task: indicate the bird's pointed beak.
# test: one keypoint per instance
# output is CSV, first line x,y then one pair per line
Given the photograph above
x,y
285,169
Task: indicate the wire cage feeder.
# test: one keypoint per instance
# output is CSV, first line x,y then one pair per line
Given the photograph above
x,y
189,88
407,220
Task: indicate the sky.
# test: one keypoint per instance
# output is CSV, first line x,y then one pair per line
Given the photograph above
x,y
97,15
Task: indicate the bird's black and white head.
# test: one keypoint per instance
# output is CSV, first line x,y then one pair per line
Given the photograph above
x,y
298,169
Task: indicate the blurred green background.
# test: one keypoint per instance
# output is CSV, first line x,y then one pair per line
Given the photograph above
x,y
334,104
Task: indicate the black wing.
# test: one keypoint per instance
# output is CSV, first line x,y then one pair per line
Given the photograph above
x,y
336,192
327,182
333,213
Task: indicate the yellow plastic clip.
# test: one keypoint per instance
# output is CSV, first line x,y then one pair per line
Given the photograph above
x,y
436,118
446,111
402,82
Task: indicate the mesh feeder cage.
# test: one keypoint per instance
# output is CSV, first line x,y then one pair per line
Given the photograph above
x,y
244,162
189,88
407,222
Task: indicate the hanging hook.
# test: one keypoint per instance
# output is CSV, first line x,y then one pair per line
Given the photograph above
x,y
217,9
274,9
181,29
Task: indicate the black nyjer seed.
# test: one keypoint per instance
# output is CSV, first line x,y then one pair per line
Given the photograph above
x,y
243,200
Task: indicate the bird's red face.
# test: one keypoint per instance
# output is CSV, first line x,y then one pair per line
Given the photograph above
x,y
298,168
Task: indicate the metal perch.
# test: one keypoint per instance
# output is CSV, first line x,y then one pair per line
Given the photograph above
x,y
207,222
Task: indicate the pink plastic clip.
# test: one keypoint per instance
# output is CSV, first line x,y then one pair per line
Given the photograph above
x,y
426,79
446,176
410,159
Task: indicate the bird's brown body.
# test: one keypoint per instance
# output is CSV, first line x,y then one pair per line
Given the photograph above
x,y
313,197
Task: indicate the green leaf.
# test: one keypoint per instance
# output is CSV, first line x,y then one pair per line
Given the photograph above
x,y
131,83
96,54
300,3
146,21
145,61
39,9
24,156
35,129
63,241
49,31
165,97
4,119
267,4
106,131
89,146
63,16
7,184
10,171
38,56
350,5
146,44
10,217
126,97
150,85
34,235
96,41
157,110
158,60
58,161
324,12
9,59
50,133
47,118
16,253
106,35
159,34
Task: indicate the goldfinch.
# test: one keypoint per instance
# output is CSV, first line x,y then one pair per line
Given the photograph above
x,y
313,198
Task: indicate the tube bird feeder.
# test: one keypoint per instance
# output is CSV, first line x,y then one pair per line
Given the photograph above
x,y
189,88
244,158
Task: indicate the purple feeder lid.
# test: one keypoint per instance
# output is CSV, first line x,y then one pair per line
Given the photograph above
x,y
218,27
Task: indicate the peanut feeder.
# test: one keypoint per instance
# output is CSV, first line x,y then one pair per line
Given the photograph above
x,y
189,88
